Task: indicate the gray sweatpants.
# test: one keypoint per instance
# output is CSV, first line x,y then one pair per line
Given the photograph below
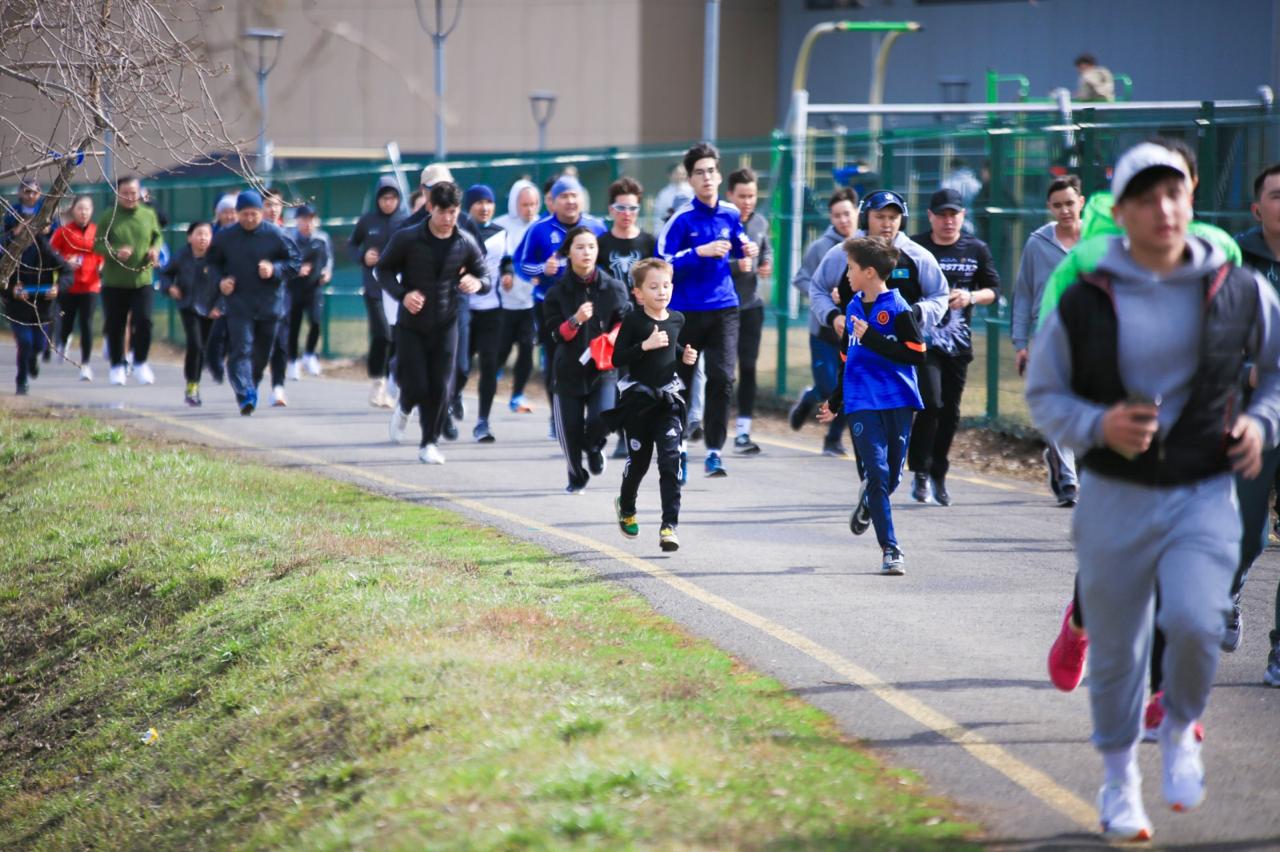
x,y
1130,539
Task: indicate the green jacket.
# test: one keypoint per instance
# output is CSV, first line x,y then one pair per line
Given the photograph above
x,y
1098,226
138,228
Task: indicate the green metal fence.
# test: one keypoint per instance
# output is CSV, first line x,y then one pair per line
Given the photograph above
x,y
1015,155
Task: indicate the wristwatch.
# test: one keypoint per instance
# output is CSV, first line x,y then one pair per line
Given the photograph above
x,y
573,322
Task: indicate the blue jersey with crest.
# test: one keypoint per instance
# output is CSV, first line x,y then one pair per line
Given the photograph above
x,y
873,382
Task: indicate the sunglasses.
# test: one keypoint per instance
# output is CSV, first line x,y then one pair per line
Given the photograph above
x,y
625,208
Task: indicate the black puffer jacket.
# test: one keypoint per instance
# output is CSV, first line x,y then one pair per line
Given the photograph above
x,y
609,304
409,256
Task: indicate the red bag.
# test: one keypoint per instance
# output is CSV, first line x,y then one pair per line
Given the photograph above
x,y
601,348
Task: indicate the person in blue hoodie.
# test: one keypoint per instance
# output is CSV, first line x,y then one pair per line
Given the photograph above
x,y
368,239
698,241
252,260
879,394
536,259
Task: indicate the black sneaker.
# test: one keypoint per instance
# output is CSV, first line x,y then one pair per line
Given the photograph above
x,y
596,461
940,491
893,563
835,449
33,367
481,432
800,412
1068,497
1235,629
920,488
743,445
23,389
860,519
246,409
450,431
456,411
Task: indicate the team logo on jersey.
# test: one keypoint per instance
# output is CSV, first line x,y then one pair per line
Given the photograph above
x,y
882,318
724,233
555,237
635,445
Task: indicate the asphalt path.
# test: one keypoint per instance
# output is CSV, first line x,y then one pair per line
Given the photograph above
x,y
941,670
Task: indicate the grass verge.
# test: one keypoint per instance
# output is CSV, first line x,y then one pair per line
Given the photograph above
x,y
327,668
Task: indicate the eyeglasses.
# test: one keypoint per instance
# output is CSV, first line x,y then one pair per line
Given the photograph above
x,y
625,208
711,172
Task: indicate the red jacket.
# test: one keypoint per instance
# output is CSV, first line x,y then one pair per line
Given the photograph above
x,y
70,241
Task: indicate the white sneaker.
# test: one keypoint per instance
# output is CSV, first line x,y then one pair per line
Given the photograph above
x,y
1121,813
1183,781
392,391
117,376
277,397
86,373
312,363
144,375
399,423
378,393
294,372
430,454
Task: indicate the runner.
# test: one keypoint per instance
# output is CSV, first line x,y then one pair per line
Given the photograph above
x,y
485,337
582,310
879,392
128,239
189,280
368,239
651,411
273,213
74,241
306,291
215,351
747,272
252,261
517,294
698,241
430,268
1045,249
29,297
824,344
1146,397
971,280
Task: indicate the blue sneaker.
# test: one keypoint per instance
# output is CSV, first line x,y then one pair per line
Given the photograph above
x,y
714,467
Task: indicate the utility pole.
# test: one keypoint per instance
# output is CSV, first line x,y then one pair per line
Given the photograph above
x,y
439,34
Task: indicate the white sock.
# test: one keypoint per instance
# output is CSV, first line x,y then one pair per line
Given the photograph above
x,y
711,454
744,425
1121,767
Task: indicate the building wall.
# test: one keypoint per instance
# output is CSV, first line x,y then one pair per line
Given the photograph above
x,y
1173,49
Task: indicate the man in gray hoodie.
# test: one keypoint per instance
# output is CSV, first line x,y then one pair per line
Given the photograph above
x,y
1138,370
1045,249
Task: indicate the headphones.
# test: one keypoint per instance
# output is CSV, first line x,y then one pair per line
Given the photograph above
x,y
878,199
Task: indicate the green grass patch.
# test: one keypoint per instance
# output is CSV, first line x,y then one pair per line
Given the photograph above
x,y
327,668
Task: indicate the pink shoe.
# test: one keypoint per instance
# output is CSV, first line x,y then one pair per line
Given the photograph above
x,y
1154,715
1066,657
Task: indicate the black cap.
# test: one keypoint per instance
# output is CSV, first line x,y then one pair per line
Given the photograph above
x,y
304,210
945,199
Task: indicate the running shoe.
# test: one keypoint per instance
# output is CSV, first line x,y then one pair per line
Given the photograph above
x,y
860,519
378,393
456,411
23,389
1154,715
116,376
449,430
940,493
835,449
1067,655
430,454
1121,813
86,373
920,488
518,405
192,395
1183,775
246,409
1068,497
799,413
713,467
144,375
668,540
481,432
1235,628
744,446
596,462
312,364
399,423
626,520
893,564
294,371
278,399
1271,677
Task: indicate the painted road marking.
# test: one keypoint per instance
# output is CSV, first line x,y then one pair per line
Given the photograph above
x,y
1033,780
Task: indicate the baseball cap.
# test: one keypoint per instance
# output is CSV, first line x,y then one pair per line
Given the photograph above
x,y
884,198
1139,159
945,199
304,210
436,173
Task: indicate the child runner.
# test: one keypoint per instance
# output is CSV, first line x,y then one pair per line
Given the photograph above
x,y
879,394
74,241
189,281
585,304
651,412
744,192
306,293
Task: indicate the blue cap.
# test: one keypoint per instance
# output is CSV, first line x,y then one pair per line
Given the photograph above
x,y
882,198
247,200
565,184
477,192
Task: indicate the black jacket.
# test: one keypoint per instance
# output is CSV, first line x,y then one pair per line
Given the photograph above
x,y
465,223
610,304
408,255
195,278
314,251
235,253
373,230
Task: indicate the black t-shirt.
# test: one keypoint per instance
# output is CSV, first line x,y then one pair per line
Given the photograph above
x,y
654,367
967,265
439,251
617,255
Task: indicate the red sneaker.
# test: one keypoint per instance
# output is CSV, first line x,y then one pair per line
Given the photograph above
x,y
1154,715
1066,657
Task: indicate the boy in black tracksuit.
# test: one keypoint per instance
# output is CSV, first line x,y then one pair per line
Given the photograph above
x,y
305,296
652,409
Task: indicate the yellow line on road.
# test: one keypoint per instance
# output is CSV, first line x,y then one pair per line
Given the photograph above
x,y
1033,780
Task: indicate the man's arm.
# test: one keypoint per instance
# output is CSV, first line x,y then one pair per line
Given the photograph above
x,y
358,234
390,265
287,258
825,279
1265,351
933,289
672,245
909,348
475,266
987,277
1023,294
1058,413
524,258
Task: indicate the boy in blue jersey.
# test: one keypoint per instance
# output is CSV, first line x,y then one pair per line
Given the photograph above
x,y
698,241
879,394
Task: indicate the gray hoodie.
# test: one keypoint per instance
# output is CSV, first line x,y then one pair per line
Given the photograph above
x,y
1256,253
520,296
1040,256
813,255
933,284
1159,350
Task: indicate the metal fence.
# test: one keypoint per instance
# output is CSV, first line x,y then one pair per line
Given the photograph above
x,y
1013,154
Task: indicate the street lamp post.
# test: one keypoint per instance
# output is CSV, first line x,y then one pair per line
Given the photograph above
x,y
264,37
543,104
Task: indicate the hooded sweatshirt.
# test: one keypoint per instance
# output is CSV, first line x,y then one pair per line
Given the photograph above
x,y
520,296
1158,350
813,256
496,262
1257,254
1040,256
372,231
932,304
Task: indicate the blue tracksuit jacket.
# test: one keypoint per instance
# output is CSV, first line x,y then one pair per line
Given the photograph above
x,y
540,242
701,283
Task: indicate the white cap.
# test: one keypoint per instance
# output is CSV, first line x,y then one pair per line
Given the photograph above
x,y
1138,159
435,173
